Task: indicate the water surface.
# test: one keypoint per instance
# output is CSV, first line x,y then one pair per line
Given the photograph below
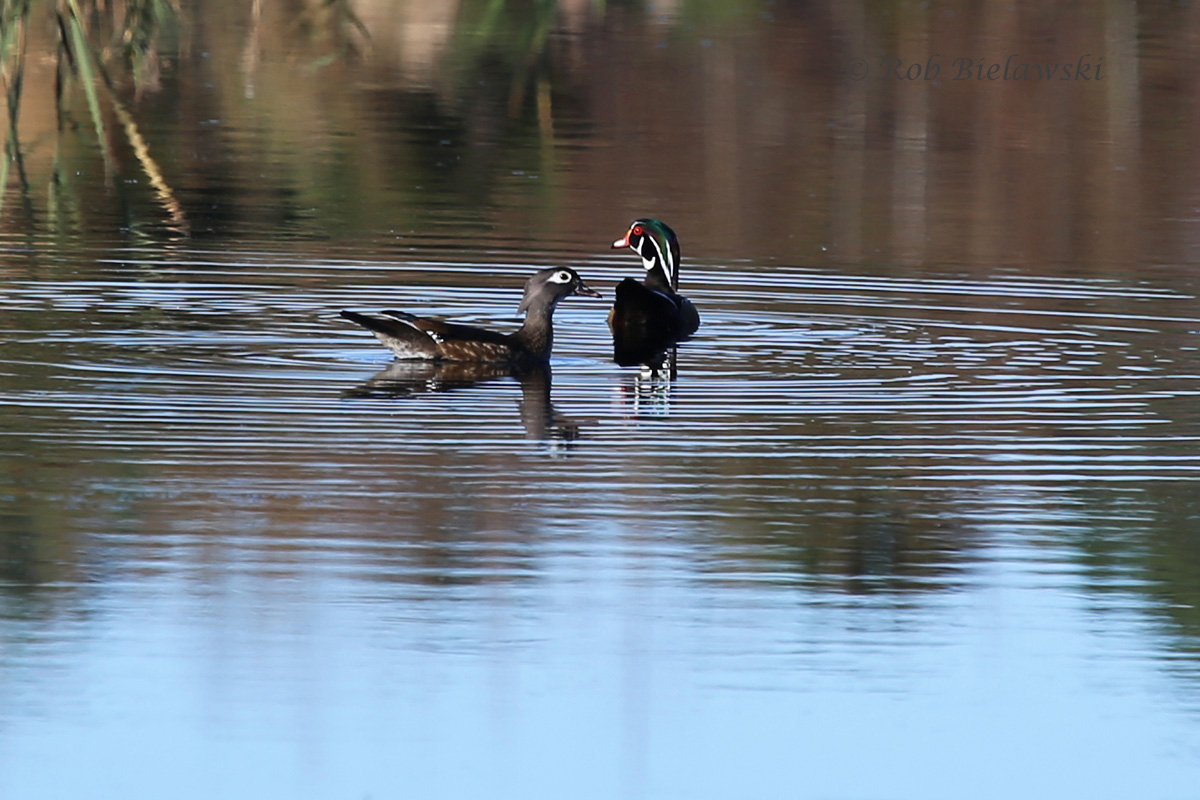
x,y
912,516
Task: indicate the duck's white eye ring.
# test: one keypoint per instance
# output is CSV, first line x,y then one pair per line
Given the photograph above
x,y
562,276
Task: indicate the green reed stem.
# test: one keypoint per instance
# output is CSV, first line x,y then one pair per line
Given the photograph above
x,y
84,59
12,68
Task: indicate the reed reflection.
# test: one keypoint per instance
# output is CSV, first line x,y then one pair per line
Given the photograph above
x,y
403,379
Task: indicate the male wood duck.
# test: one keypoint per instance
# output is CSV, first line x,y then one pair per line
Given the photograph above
x,y
652,311
420,338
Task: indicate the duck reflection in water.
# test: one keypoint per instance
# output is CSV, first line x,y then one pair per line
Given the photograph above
x,y
403,379
647,392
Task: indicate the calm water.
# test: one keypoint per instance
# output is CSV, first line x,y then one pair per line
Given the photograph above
x,y
913,516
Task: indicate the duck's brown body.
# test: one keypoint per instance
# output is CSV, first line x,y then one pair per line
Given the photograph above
x,y
420,338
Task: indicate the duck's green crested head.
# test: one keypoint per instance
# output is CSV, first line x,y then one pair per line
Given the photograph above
x,y
658,246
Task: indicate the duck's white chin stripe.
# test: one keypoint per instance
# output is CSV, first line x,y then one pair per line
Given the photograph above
x,y
663,258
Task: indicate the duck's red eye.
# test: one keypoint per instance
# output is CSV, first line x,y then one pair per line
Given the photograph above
x,y
637,230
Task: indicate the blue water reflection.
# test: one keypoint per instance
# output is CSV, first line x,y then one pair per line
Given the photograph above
x,y
608,667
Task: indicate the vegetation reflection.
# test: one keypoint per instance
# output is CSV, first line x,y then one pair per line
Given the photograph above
x,y
92,40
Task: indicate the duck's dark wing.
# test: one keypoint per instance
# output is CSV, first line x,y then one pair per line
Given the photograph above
x,y
646,322
446,332
643,313
399,332
462,342
689,317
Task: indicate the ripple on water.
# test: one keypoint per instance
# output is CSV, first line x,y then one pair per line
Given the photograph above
x,y
841,480
796,365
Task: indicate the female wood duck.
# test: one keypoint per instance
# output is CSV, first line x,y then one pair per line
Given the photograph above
x,y
652,311
420,338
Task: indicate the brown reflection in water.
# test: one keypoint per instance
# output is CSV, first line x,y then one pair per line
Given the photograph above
x,y
748,132
44,557
847,541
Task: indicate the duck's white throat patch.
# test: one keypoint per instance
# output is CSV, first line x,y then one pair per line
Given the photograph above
x,y
662,258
